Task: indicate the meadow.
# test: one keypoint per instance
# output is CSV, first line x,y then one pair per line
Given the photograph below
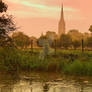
x,y
66,62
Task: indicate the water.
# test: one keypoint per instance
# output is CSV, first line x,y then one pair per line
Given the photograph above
x,y
55,85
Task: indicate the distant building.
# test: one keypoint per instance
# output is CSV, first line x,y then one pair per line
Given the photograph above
x,y
61,25
51,36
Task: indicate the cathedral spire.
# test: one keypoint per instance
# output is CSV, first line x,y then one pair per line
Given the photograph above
x,y
62,9
62,12
61,26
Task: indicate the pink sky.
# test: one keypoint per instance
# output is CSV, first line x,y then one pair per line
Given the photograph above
x,y
37,16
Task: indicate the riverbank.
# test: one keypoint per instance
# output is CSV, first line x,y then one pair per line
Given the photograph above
x,y
72,63
42,77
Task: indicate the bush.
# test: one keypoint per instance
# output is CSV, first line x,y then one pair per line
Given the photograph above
x,y
9,59
78,68
14,60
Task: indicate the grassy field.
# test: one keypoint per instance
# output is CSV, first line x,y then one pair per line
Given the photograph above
x,y
67,62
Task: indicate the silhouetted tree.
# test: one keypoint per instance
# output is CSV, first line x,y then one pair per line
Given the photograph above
x,y
6,25
3,7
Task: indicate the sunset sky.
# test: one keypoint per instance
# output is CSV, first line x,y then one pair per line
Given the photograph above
x,y
37,16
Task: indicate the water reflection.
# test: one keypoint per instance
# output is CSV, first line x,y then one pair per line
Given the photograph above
x,y
31,86
45,87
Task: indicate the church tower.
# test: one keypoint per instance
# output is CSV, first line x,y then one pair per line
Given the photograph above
x,y
61,25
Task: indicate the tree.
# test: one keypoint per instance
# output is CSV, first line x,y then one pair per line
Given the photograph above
x,y
3,7
21,40
89,42
65,41
75,34
46,50
41,41
90,29
76,44
6,25
57,45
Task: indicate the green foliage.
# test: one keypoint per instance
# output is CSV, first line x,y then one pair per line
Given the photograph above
x,y
75,34
45,51
65,41
78,68
89,42
9,59
46,48
41,40
68,62
21,40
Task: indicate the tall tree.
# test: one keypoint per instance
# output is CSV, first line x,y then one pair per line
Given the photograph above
x,y
6,25
3,7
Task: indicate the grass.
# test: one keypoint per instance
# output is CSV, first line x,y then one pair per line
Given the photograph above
x,y
78,68
66,62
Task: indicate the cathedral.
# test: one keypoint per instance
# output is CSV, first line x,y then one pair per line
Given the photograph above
x,y
61,25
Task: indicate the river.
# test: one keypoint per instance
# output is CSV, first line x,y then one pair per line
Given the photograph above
x,y
27,84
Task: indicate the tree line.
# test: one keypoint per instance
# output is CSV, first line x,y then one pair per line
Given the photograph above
x,y
65,41
20,40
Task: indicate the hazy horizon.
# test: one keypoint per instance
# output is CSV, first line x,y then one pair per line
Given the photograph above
x,y
37,16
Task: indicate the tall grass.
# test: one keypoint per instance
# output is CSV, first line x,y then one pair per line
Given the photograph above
x,y
65,62
9,59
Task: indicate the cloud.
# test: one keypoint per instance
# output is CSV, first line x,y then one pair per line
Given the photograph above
x,y
41,6
42,10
